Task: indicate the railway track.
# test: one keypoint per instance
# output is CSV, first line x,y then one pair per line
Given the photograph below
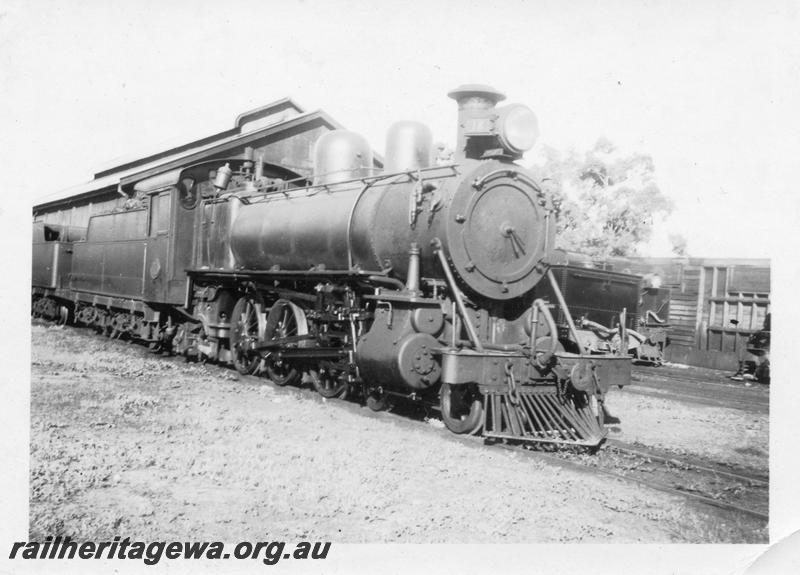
x,y
757,406
737,491
687,377
725,470
691,389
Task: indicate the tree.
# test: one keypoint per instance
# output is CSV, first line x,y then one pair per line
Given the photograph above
x,y
444,154
606,202
679,244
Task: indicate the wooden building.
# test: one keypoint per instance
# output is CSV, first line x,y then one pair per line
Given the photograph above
x,y
276,131
707,293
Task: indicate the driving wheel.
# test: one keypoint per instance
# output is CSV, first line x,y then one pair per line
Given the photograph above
x,y
244,334
285,322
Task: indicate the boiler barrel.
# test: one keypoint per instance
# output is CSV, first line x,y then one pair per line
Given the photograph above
x,y
490,221
295,233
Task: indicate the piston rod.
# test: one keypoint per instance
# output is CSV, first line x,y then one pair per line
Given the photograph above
x,y
557,291
538,306
451,282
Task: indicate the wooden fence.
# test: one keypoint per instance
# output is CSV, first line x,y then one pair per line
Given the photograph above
x,y
706,295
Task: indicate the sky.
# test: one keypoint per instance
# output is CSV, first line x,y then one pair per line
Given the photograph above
x,y
708,89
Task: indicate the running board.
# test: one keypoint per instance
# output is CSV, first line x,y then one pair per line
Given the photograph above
x,y
540,415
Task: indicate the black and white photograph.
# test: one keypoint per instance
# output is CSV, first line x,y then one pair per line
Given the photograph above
x,y
399,287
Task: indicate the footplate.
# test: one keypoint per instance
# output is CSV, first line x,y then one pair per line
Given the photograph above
x,y
538,413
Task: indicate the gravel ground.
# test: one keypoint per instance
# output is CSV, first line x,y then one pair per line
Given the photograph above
x,y
123,442
723,435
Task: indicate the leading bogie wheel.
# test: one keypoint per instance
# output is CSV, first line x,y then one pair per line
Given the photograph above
x,y
280,372
329,382
462,408
244,334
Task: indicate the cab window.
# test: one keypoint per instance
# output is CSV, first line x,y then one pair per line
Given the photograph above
x,y
159,213
117,226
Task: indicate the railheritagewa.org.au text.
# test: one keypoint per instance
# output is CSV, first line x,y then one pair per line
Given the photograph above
x,y
266,552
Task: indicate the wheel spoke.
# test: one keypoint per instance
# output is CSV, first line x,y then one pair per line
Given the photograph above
x,y
283,321
245,329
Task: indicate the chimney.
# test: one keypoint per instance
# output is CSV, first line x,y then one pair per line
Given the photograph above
x,y
476,103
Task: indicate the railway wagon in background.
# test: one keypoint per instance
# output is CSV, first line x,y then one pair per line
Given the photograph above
x,y
616,312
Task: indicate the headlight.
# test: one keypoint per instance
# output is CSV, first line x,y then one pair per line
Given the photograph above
x,y
517,128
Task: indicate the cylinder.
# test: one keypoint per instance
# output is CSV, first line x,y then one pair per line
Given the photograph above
x,y
341,155
409,146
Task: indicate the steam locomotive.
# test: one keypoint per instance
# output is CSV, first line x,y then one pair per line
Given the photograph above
x,y
419,281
